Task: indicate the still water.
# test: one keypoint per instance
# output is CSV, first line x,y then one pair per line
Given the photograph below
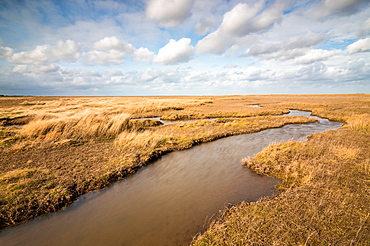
x,y
168,202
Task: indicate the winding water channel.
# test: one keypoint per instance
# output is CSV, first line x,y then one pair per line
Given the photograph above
x,y
166,203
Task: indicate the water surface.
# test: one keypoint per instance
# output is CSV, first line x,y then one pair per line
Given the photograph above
x,y
168,202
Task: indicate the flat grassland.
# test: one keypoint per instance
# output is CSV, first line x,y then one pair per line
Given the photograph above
x,y
54,149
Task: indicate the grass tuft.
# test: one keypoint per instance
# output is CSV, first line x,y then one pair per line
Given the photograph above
x,y
359,122
85,125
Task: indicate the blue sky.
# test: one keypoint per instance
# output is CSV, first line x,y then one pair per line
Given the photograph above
x,y
184,47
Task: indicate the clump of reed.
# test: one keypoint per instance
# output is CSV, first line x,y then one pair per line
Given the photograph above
x,y
87,124
359,122
147,140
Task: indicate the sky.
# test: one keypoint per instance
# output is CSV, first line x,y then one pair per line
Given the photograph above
x,y
184,47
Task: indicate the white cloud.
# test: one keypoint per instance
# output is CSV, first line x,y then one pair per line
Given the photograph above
x,y
142,54
309,40
207,15
112,50
246,18
150,74
362,45
113,43
36,69
175,52
292,48
85,32
204,25
215,42
242,20
109,50
337,7
365,28
284,46
316,55
5,53
104,57
238,21
64,50
169,13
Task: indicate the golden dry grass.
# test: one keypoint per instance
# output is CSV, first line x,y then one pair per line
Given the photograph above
x,y
324,192
359,122
83,125
67,146
323,196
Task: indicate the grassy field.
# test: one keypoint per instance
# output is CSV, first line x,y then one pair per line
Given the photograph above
x,y
54,149
324,196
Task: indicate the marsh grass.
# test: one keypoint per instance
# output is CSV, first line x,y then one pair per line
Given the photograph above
x,y
88,149
67,146
185,135
84,125
323,195
359,122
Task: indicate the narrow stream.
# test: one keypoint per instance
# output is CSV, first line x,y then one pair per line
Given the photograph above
x,y
168,202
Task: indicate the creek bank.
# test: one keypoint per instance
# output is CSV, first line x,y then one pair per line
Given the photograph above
x,y
221,152
74,187
323,198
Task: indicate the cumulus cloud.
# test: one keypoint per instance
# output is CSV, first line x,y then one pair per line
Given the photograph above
x,y
337,7
5,53
216,42
282,44
175,52
64,50
169,13
242,20
108,50
204,25
104,57
112,50
362,45
113,43
247,18
142,54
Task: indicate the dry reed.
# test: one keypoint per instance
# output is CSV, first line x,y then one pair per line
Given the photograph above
x,y
359,122
84,125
